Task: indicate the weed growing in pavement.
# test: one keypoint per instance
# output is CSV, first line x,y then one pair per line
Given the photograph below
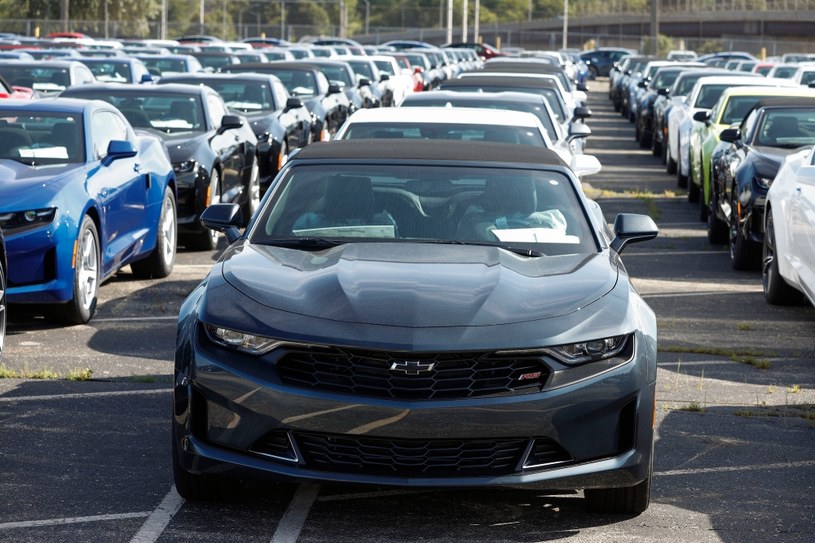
x,y
744,326
794,389
79,374
693,407
771,389
802,411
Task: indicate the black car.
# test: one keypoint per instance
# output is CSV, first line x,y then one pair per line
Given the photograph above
x,y
437,314
742,173
599,60
214,153
326,102
658,84
215,61
280,122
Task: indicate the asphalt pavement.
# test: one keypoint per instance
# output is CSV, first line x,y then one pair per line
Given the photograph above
x,y
89,460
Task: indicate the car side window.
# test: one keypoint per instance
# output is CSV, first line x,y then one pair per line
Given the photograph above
x,y
84,75
748,124
281,95
217,109
105,127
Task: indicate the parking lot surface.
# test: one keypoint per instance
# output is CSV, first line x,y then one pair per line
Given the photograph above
x,y
89,460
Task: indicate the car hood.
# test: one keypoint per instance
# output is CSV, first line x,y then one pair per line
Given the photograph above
x,y
20,182
181,148
774,156
418,285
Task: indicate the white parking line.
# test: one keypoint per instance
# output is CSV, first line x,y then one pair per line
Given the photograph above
x,y
290,526
137,319
158,520
12,399
70,520
727,469
700,293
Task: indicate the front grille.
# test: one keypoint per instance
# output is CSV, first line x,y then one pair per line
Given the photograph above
x,y
411,457
412,376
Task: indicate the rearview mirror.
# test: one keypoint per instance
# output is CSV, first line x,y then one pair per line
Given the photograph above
x,y
582,112
118,149
333,88
226,218
730,135
230,122
577,131
293,103
583,165
632,228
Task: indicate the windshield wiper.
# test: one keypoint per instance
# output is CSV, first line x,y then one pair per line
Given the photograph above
x,y
532,253
26,161
306,243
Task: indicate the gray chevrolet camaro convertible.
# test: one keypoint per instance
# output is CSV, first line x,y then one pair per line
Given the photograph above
x,y
447,314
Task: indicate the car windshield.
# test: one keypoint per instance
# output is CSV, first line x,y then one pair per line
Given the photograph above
x,y
446,131
337,75
168,113
807,77
110,72
737,107
41,138
159,66
244,96
362,69
787,128
385,67
664,79
709,95
527,210
299,83
785,72
43,79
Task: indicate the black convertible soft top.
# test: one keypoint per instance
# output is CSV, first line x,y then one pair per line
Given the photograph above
x,y
466,152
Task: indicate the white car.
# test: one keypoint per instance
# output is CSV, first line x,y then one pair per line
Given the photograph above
x,y
571,96
788,267
702,97
399,81
461,123
804,75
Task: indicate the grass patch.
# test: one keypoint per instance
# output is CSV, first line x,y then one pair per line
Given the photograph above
x,y
79,374
25,373
744,327
794,389
145,379
801,411
693,407
743,356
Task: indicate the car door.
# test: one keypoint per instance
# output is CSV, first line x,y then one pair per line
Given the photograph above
x,y
802,227
120,189
294,121
227,147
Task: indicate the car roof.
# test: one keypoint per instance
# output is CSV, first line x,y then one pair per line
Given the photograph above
x,y
751,79
275,64
797,90
785,101
238,76
514,81
40,63
466,152
491,97
56,104
436,115
170,88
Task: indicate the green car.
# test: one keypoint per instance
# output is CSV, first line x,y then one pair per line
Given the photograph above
x,y
731,108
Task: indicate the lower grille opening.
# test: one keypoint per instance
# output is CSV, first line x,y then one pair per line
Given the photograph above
x,y
411,457
546,452
627,427
275,444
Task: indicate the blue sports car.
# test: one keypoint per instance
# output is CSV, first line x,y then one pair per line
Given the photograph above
x,y
81,195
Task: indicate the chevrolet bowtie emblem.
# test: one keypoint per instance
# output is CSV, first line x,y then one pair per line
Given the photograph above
x,y
412,367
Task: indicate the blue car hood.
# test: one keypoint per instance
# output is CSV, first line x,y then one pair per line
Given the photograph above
x,y
418,285
21,184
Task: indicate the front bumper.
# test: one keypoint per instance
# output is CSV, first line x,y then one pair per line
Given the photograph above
x,y
241,420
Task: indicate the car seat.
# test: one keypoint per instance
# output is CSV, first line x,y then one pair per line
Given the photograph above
x,y
11,139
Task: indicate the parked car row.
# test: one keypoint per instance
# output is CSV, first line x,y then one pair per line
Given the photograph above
x,y
725,133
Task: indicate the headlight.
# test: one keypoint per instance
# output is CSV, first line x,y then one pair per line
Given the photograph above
x,y
241,341
19,221
589,351
184,167
764,182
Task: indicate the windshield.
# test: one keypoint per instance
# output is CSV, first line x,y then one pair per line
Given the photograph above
x,y
530,209
40,138
664,79
385,67
445,131
787,128
299,83
363,69
552,95
709,95
337,75
159,66
737,107
41,79
110,72
244,96
168,113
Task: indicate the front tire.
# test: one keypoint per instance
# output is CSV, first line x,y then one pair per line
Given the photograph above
x,y
2,308
776,290
82,306
716,228
745,255
162,258
693,188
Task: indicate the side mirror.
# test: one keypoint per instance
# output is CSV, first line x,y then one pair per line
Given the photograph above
x,y
582,112
226,218
418,70
642,84
119,149
333,88
632,228
364,82
577,131
730,135
230,122
663,92
384,77
293,103
582,87
583,165
702,116
146,78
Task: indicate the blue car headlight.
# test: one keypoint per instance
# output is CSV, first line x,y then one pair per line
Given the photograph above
x,y
584,352
763,182
19,221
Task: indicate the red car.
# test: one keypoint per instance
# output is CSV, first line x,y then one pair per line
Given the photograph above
x,y
15,92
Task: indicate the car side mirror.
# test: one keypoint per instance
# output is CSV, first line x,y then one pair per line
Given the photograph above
x,y
663,92
581,112
146,78
364,82
384,77
226,218
632,228
583,165
333,88
293,103
577,131
230,122
702,116
118,149
582,87
642,84
730,135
